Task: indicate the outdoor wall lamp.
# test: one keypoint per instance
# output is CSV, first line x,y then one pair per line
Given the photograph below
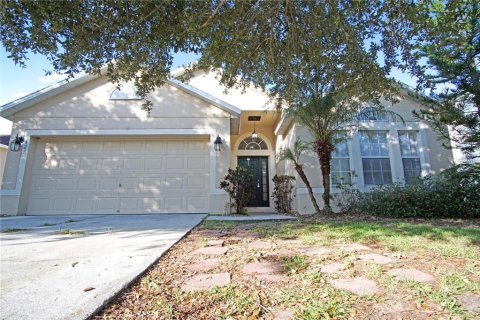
x,y
254,133
254,119
16,143
217,144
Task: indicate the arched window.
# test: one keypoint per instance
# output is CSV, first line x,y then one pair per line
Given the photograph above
x,y
252,144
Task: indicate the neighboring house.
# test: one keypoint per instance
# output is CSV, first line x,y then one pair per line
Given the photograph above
x,y
91,149
4,141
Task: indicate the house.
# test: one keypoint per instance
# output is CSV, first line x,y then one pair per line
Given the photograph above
x,y
90,148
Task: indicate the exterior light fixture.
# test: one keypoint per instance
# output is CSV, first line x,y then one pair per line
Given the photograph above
x,y
16,143
217,144
254,119
254,133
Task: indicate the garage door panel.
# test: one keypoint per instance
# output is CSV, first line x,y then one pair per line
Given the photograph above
x,y
89,183
90,163
197,203
91,147
130,176
85,204
174,183
175,163
173,203
63,204
132,164
153,164
197,182
129,203
107,203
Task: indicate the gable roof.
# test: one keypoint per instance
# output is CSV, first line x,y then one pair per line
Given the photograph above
x,y
9,109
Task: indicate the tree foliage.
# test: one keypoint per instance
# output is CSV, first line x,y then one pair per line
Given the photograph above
x,y
452,47
294,154
325,110
267,43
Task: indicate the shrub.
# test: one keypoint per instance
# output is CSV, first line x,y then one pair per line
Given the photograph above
x,y
238,184
452,193
282,193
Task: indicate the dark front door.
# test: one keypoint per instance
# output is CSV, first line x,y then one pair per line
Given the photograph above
x,y
258,168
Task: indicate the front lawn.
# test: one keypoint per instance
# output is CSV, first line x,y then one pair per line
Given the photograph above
x,y
330,268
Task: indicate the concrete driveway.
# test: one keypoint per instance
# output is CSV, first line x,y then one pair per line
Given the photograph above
x,y
48,271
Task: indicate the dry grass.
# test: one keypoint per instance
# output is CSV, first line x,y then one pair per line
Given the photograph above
x,y
450,254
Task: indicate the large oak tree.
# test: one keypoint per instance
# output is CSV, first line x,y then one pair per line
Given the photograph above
x,y
264,42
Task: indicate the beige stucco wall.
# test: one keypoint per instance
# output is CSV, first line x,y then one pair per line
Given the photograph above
x,y
88,107
438,158
250,98
3,159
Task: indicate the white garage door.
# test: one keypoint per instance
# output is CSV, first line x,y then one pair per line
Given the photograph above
x,y
119,176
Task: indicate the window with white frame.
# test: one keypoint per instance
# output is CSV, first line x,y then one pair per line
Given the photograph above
x,y
340,163
375,157
410,155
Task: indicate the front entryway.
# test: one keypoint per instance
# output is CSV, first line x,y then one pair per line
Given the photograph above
x,y
258,168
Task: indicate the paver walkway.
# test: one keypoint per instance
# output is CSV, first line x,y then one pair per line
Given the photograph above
x,y
412,274
360,285
203,282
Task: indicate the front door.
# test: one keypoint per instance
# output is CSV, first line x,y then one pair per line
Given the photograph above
x,y
258,168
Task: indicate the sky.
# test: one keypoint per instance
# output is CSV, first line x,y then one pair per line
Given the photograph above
x,y
16,82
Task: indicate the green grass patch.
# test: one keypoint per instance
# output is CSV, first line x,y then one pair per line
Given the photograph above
x,y
46,224
13,230
241,303
215,224
295,264
70,232
333,304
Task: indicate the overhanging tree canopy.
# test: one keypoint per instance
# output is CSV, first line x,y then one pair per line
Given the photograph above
x,y
264,42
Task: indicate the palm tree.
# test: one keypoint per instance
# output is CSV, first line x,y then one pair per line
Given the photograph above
x,y
325,114
294,155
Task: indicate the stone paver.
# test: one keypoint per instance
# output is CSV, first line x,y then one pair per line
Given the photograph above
x,y
204,265
282,314
469,301
412,274
263,267
353,247
375,258
271,277
203,282
313,250
332,267
360,285
259,244
215,243
211,251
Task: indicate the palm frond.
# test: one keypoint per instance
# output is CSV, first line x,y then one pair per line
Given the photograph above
x,y
294,154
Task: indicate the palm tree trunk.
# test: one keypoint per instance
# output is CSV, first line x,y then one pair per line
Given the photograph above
x,y
303,176
324,151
